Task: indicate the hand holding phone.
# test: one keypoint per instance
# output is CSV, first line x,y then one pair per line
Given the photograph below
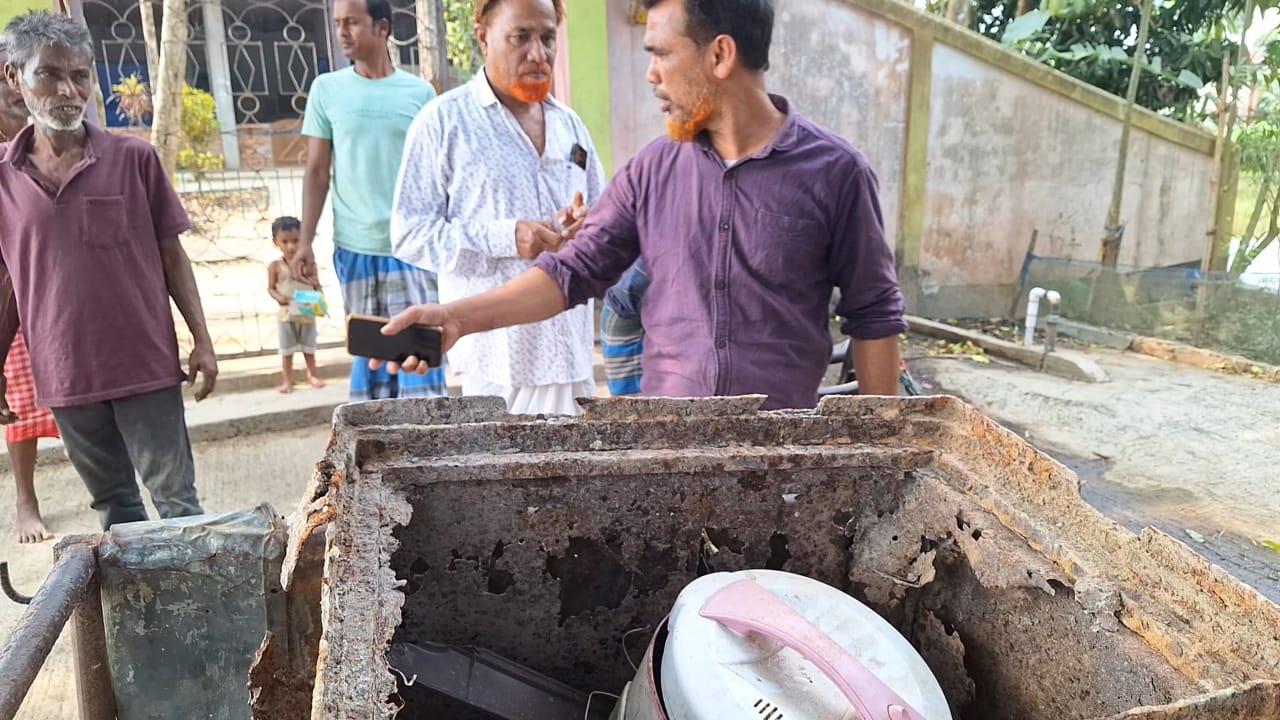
x,y
365,339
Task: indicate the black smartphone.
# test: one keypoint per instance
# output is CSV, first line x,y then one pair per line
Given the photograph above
x,y
365,339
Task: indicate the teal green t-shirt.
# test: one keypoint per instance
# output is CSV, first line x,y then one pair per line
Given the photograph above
x,y
366,121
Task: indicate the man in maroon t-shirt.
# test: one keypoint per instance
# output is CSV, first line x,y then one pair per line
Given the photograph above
x,y
89,227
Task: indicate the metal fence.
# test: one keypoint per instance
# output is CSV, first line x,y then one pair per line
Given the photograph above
x,y
267,51
1213,310
230,247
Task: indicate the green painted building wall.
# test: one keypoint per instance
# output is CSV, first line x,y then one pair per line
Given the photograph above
x,y
589,72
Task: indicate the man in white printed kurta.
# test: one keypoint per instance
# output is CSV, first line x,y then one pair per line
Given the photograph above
x,y
489,171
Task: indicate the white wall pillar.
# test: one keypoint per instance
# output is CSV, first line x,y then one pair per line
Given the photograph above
x,y
215,46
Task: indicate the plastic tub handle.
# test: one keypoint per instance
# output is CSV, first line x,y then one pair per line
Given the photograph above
x,y
746,607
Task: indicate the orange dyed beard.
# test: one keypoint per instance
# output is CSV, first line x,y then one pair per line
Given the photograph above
x,y
684,127
522,88
530,91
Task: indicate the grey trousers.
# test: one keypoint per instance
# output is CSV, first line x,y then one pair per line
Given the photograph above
x,y
112,443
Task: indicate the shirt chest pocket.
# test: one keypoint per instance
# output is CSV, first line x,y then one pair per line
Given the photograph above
x,y
564,178
104,222
787,251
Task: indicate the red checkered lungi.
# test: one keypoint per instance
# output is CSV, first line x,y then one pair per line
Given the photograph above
x,y
34,422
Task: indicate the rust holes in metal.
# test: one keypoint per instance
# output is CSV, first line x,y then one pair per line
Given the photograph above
x,y
711,543
457,561
590,576
842,519
653,572
716,540
417,570
962,525
500,579
753,481
778,553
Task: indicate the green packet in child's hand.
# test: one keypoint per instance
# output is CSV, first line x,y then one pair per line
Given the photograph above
x,y
310,303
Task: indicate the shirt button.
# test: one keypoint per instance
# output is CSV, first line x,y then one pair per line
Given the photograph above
x,y
724,227
720,284
721,343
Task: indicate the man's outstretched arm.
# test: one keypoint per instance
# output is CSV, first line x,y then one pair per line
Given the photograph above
x,y
531,297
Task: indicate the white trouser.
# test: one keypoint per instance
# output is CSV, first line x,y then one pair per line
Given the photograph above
x,y
535,400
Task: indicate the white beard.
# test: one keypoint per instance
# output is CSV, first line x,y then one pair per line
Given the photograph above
x,y
57,125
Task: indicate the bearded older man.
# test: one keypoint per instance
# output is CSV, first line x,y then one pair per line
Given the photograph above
x,y
90,247
24,421
487,169
747,217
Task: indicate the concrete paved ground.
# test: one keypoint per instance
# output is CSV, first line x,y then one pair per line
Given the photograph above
x,y
1202,445
1162,444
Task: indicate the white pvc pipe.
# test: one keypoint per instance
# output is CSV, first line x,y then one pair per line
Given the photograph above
x,y
1033,309
1051,322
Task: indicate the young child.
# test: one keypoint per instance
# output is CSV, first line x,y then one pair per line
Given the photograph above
x,y
297,331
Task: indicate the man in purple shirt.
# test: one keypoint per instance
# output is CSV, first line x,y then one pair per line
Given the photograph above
x,y
89,227
747,217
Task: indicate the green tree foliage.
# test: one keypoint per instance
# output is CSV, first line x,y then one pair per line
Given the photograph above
x,y
199,130
1259,144
1093,41
464,51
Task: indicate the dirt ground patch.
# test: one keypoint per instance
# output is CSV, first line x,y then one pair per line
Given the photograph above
x,y
236,474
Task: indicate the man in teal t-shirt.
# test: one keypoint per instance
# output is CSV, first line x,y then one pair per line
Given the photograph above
x,y
355,125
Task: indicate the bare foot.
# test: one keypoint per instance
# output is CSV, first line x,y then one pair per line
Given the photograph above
x,y
31,527
315,381
286,388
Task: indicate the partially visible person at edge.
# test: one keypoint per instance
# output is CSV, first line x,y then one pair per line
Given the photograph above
x,y
355,125
747,217
622,332
92,257
486,168
25,423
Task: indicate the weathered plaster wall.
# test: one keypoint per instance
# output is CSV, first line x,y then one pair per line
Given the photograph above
x,y
635,117
1007,156
847,69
